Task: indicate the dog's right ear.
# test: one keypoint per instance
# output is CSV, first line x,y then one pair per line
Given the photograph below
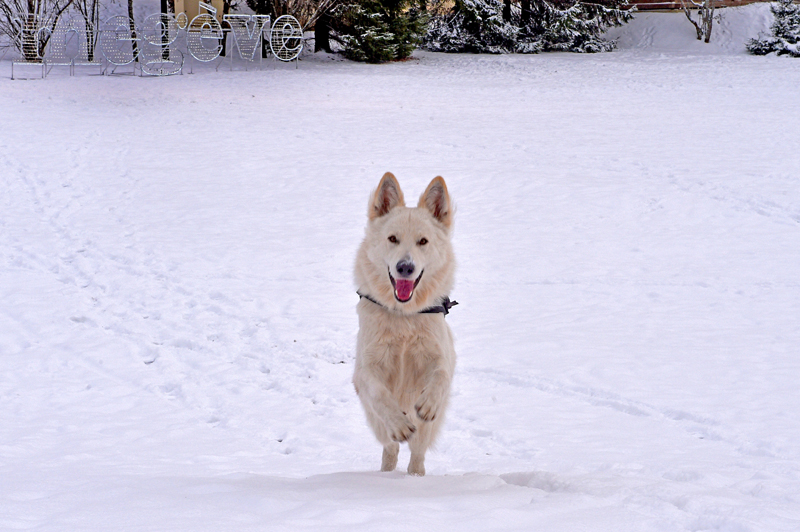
x,y
386,197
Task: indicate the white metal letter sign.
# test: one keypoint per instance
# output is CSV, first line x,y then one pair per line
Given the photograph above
x,y
158,46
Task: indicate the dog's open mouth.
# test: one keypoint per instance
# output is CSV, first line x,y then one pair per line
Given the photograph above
x,y
404,288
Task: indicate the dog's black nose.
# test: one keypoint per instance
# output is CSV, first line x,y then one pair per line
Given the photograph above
x,y
405,268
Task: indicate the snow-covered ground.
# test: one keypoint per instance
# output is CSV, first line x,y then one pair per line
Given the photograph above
x,y
177,319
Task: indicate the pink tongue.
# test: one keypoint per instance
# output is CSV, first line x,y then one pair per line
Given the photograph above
x,y
403,289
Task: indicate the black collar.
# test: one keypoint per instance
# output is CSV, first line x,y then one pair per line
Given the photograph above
x,y
444,308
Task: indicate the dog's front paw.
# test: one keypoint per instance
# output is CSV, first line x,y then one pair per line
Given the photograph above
x,y
402,429
427,408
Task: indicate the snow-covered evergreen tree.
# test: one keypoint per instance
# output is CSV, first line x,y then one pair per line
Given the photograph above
x,y
479,26
785,37
473,26
575,27
375,31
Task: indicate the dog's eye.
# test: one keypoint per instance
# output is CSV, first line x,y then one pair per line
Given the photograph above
x,y
422,241
393,239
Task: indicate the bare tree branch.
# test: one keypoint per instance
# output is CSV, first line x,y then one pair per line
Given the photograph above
x,y
705,17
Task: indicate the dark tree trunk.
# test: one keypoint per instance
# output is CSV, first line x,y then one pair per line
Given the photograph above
x,y
226,46
165,35
133,30
526,12
322,34
507,10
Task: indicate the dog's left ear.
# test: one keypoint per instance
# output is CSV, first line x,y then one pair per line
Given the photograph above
x,y
437,201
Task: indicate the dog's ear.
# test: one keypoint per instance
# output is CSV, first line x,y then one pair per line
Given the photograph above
x,y
386,197
437,201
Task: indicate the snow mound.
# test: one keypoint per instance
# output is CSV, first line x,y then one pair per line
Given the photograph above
x,y
671,32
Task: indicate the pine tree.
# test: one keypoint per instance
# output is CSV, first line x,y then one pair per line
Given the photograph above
x,y
574,27
375,31
785,30
473,26
538,25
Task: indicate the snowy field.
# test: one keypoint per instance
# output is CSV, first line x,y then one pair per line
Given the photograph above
x,y
177,311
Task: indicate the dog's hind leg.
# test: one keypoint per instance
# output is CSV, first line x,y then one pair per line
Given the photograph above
x,y
416,466
418,445
390,452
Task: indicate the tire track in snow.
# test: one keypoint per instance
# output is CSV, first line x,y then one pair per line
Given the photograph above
x,y
754,201
697,425
688,495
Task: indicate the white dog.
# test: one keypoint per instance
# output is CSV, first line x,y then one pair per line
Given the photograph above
x,y
405,356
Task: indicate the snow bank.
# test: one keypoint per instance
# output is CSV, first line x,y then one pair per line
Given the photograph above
x,y
671,32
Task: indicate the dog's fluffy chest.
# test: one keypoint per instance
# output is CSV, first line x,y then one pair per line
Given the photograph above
x,y
401,345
